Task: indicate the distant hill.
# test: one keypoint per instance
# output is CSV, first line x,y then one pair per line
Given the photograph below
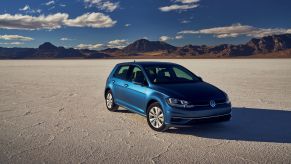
x,y
270,43
48,51
16,53
269,46
144,45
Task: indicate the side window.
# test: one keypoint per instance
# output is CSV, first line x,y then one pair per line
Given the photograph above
x,y
137,75
121,72
165,72
181,74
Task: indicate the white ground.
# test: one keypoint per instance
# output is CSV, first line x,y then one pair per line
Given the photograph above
x,y
53,112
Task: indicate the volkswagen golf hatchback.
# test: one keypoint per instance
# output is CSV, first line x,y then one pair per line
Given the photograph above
x,y
167,94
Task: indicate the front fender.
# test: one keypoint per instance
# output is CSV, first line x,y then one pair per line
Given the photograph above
x,y
161,99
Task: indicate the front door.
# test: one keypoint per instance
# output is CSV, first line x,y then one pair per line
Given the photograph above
x,y
136,90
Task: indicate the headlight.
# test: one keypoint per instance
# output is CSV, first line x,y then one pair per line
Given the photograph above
x,y
179,103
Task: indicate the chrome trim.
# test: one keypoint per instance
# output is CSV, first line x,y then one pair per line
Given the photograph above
x,y
209,105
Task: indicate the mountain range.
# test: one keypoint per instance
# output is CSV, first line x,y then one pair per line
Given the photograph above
x,y
268,46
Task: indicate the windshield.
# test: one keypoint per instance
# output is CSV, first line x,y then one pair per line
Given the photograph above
x,y
169,74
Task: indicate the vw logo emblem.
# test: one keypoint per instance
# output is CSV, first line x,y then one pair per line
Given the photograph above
x,y
212,103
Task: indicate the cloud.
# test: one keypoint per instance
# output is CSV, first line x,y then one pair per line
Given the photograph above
x,y
109,6
65,39
231,35
117,43
236,30
15,37
90,46
181,6
51,8
177,7
102,5
95,20
185,21
165,38
26,22
38,10
12,43
111,44
53,4
50,3
127,25
179,37
27,9
54,21
187,1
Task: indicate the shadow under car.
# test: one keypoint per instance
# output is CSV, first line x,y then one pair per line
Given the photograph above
x,y
247,124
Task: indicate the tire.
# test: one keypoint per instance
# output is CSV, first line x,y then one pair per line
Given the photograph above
x,y
156,117
109,101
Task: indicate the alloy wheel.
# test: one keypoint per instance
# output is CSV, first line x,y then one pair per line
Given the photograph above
x,y
156,117
109,100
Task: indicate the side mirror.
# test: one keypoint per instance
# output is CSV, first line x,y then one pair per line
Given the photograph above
x,y
200,78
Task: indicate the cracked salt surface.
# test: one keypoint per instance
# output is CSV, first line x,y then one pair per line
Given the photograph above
x,y
54,112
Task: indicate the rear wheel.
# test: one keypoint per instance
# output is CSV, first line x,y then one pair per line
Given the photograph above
x,y
111,106
156,117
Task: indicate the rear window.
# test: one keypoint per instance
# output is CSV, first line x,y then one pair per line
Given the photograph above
x,y
121,72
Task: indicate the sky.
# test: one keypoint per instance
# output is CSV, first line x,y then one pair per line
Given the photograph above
x,y
99,24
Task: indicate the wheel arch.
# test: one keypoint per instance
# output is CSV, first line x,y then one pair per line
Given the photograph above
x,y
156,97
106,90
151,101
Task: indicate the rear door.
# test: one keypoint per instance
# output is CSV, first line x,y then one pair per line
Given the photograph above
x,y
120,83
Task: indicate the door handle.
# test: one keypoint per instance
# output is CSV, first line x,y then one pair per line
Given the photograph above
x,y
125,85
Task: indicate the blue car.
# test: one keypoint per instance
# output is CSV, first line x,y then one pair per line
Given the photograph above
x,y
167,94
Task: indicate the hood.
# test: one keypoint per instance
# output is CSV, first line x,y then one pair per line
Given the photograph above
x,y
197,93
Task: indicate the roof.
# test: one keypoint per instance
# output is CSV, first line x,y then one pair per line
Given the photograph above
x,y
146,63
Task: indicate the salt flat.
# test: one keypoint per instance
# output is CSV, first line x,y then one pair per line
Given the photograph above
x,y
53,111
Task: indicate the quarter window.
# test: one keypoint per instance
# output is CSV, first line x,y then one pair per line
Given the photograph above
x,y
121,72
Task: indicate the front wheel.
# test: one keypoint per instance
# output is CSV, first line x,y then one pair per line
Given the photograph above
x,y
156,117
111,106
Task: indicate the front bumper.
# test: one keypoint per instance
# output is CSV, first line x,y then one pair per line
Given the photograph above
x,y
201,120
176,117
